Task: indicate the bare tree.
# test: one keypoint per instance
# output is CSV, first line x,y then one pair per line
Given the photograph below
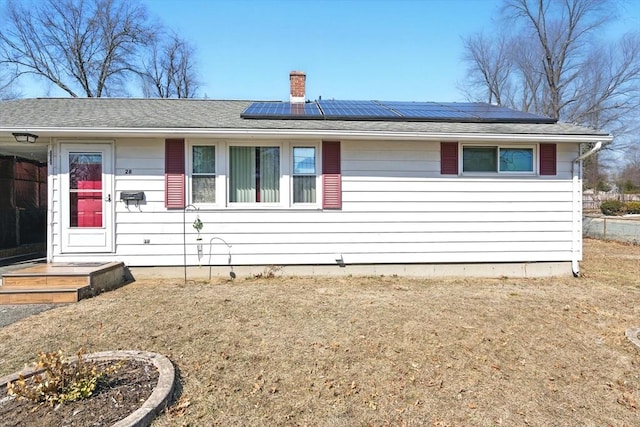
x,y
559,67
7,89
7,83
629,177
528,81
85,47
554,65
490,68
607,91
562,30
170,71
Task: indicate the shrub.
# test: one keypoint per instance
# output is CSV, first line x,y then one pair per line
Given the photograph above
x,y
61,381
633,207
612,207
269,272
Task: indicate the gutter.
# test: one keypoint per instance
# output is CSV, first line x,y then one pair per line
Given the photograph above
x,y
577,201
256,133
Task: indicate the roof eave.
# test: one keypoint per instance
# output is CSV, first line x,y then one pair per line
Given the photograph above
x,y
307,134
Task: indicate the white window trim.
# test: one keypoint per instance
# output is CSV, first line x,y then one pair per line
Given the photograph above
x,y
223,160
317,203
220,174
535,160
284,192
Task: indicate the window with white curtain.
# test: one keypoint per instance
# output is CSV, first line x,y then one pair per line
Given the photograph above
x,y
304,174
254,174
270,175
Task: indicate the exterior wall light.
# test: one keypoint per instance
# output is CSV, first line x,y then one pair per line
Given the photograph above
x,y
25,138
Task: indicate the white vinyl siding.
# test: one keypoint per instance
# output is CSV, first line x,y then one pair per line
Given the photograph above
x,y
397,208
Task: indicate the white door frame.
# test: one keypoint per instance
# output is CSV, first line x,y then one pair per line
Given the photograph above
x,y
87,239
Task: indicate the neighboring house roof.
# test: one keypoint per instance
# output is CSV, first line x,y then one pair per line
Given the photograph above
x,y
58,114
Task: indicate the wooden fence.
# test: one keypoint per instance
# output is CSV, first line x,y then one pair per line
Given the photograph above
x,y
23,202
592,201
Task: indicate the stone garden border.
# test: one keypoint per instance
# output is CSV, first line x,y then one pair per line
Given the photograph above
x,y
159,398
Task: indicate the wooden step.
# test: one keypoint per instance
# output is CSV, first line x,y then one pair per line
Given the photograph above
x,y
45,282
39,296
61,282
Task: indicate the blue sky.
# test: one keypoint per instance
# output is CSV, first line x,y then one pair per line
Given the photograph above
x,y
353,49
405,50
399,50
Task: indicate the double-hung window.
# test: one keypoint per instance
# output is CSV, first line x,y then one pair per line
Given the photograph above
x,y
498,159
254,174
203,174
304,174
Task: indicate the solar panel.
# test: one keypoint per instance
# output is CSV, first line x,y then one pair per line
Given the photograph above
x,y
391,111
363,110
413,105
497,113
282,110
425,110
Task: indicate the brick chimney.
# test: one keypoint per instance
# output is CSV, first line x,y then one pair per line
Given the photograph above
x,y
297,80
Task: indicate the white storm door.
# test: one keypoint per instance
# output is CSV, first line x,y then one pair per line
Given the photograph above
x,y
86,198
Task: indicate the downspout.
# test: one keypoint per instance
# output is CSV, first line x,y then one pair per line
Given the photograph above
x,y
589,153
577,205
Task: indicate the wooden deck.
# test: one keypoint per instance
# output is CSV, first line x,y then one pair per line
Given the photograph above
x,y
61,282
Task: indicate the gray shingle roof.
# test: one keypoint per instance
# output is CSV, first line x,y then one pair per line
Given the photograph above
x,y
112,113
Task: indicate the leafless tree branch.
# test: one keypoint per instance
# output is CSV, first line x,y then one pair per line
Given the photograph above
x,y
556,65
169,71
85,47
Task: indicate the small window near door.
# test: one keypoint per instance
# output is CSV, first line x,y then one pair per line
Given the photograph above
x,y
304,175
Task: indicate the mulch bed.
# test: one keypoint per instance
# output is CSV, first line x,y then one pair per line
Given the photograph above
x,y
125,392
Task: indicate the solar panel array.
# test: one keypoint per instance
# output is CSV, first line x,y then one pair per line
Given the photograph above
x,y
391,111
354,109
282,109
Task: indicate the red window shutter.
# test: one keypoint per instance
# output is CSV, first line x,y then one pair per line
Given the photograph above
x,y
449,158
548,159
331,175
174,173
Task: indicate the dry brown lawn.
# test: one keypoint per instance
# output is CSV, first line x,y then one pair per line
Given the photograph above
x,y
375,351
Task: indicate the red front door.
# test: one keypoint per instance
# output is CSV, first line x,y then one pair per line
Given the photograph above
x,y
86,202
